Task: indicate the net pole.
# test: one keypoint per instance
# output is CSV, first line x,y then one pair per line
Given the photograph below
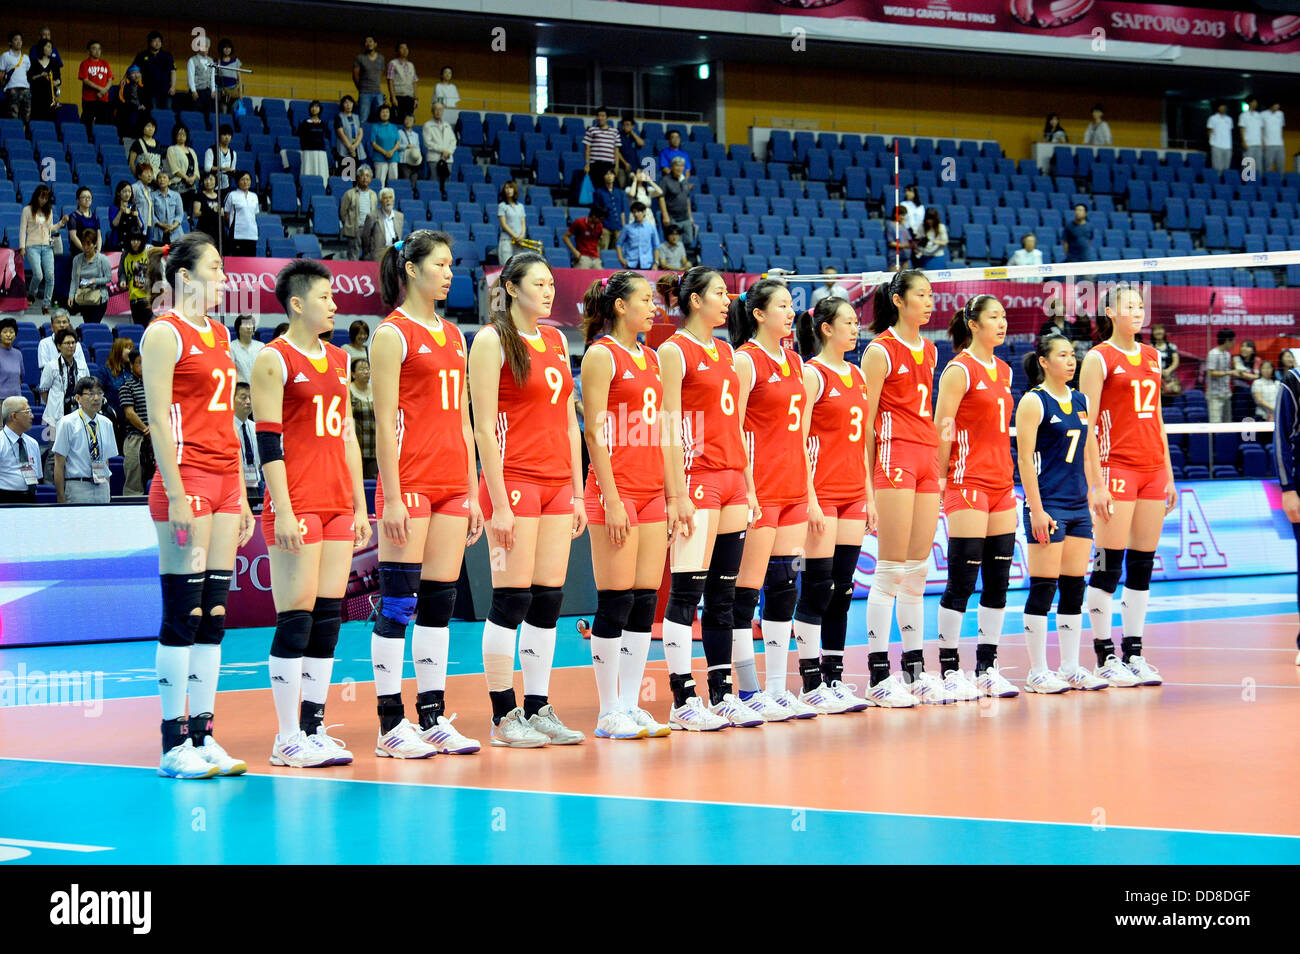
x,y
898,249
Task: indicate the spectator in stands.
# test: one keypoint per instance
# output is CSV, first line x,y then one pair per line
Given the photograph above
x,y
1251,124
898,240
615,202
142,192
130,105
1029,253
363,416
913,210
47,349
244,347
36,230
367,76
1219,127
384,142
137,450
1264,391
280,329
230,84
83,444
628,159
20,455
642,188
439,147
1056,321
1077,236
205,208
313,139
1218,377
44,34
96,77
112,375
383,228
1098,131
159,72
358,335
83,217
512,220
14,64
167,212
637,241
200,75
671,252
347,137
933,241
1169,361
91,276
599,147
358,202
182,164
1285,362
402,81
447,95
133,275
44,77
123,216
1052,131
221,158
675,203
408,150
832,289
1245,364
240,212
11,359
1274,147
586,254
245,431
59,377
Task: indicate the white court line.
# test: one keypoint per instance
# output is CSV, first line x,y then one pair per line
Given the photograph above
x,y
53,845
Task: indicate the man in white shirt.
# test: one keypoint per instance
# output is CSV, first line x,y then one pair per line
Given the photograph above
x,y
1273,121
199,70
1029,253
14,64
829,290
46,351
1252,135
20,455
245,430
59,378
1219,127
439,147
83,443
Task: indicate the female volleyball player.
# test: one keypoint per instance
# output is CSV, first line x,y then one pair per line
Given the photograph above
x,y
771,406
531,494
974,413
1052,441
899,368
197,500
1132,482
427,512
629,517
841,502
316,514
710,478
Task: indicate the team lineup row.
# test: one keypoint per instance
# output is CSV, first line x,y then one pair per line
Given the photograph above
x,y
771,472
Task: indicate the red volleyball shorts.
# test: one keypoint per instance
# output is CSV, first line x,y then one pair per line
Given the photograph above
x,y
207,493
785,514
452,503
844,510
965,497
648,508
715,489
906,465
528,499
1125,484
314,527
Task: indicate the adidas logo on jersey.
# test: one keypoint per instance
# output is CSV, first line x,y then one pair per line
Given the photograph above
x,y
425,349
194,349
1054,420
774,379
902,369
835,392
1119,369
301,378
702,367
628,374
981,386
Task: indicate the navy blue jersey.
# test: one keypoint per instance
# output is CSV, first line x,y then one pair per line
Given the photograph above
x,y
1058,450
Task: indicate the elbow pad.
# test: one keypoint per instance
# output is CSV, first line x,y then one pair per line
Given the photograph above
x,y
270,443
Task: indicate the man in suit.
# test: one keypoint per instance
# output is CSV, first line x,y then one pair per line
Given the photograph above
x,y
382,228
357,205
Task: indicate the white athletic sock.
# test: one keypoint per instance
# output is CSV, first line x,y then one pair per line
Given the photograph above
x,y
1133,612
604,662
776,655
910,607
429,650
286,683
631,667
1099,613
173,666
677,647
205,667
950,621
990,622
880,618
1068,630
742,660
808,639
536,653
316,675
386,657
1036,640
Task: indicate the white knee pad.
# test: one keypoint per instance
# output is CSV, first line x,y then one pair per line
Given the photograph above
x,y
912,585
888,577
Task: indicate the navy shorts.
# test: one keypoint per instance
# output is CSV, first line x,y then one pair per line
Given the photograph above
x,y
1075,522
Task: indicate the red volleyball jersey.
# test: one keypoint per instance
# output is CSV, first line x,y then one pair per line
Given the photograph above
x,y
906,411
774,426
1128,417
431,454
315,408
631,425
710,431
202,412
981,442
835,434
533,418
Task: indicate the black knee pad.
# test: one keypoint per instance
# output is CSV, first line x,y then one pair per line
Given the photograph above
x,y
843,565
1071,599
742,608
398,584
779,590
182,594
545,607
325,623
684,596
816,587
613,607
728,548
509,605
435,602
292,633
719,601
964,557
1138,565
642,617
1041,591
216,588
1106,569
996,570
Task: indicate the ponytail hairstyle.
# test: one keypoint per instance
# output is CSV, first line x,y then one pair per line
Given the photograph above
x,y
512,343
741,323
166,261
598,302
1106,327
808,334
884,312
415,248
959,328
1042,349
680,288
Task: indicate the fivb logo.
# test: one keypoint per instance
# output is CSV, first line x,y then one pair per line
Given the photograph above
x,y
98,908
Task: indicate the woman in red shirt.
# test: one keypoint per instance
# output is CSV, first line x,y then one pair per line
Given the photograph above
x,y
1132,483
531,494
197,499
